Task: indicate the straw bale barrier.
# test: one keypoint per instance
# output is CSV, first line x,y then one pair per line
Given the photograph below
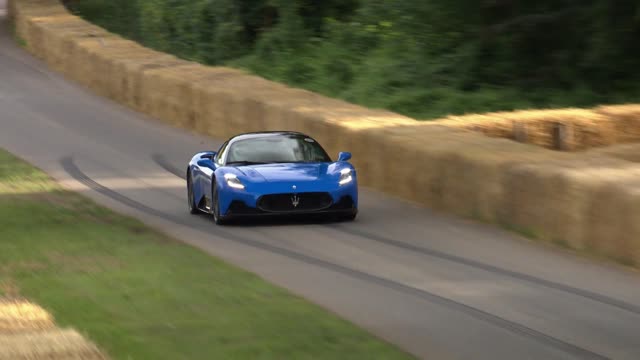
x,y
557,196
48,344
559,129
27,332
17,316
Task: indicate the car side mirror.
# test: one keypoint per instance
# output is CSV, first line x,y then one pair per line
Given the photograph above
x,y
208,163
344,156
211,155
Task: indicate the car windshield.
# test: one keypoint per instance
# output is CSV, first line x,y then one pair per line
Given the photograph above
x,y
285,148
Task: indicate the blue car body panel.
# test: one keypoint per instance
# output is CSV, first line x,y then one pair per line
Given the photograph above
x,y
269,179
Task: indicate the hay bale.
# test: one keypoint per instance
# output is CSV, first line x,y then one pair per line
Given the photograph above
x,y
563,137
471,172
612,223
587,128
10,11
21,315
48,344
626,120
555,199
628,152
447,169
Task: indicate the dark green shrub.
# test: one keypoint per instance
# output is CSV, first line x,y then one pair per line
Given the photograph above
x,y
424,58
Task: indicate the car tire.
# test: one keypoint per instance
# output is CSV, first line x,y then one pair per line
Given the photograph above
x,y
193,208
349,217
215,206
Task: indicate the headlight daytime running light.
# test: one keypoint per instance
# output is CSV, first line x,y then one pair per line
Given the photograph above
x,y
233,181
346,176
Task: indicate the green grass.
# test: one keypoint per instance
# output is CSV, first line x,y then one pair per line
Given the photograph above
x,y
142,295
561,243
19,40
522,231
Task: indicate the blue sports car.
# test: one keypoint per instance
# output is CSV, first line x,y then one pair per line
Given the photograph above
x,y
271,173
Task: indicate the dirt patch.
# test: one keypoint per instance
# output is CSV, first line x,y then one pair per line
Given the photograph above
x,y
83,264
20,266
58,198
9,288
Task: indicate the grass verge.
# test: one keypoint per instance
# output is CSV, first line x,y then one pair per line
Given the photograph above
x,y
14,32
142,295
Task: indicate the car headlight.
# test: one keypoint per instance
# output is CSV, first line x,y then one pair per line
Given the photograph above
x,y
346,176
233,181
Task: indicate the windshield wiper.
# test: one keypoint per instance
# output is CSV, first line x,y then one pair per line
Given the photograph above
x,y
304,162
245,163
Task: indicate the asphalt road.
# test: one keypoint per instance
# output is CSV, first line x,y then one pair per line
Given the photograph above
x,y
439,287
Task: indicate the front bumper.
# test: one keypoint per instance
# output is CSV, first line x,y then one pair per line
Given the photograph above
x,y
344,206
247,202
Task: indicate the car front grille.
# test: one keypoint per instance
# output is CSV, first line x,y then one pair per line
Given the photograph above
x,y
238,207
345,203
310,201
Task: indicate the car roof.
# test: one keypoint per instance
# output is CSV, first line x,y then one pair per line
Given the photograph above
x,y
259,134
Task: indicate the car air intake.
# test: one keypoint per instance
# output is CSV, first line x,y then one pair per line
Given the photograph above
x,y
310,201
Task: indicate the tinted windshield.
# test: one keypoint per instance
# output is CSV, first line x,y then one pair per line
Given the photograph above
x,y
276,149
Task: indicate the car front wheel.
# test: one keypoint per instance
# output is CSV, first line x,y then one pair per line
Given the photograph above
x,y
349,217
190,197
215,206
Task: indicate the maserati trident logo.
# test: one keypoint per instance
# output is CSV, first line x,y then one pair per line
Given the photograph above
x,y
295,200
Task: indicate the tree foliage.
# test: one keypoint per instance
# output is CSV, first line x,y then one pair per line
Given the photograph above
x,y
424,58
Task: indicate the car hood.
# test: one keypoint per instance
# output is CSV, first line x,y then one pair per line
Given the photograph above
x,y
300,172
